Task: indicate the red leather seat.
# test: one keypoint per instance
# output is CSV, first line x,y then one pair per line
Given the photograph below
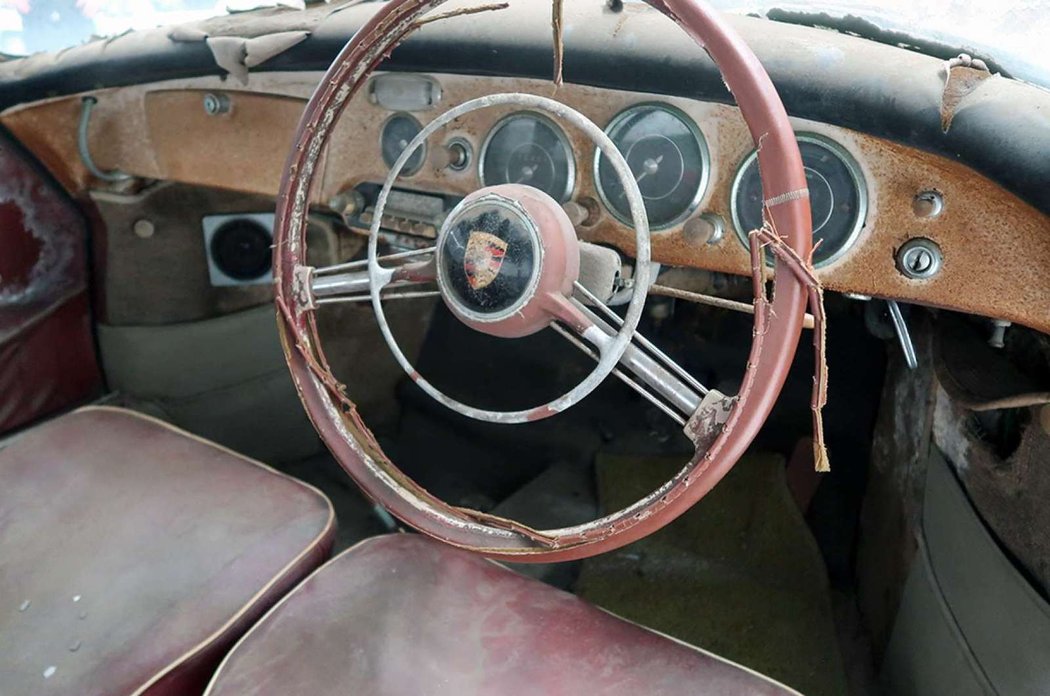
x,y
132,555
402,615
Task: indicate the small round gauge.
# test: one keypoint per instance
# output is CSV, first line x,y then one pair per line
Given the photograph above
x,y
526,148
668,157
398,132
838,197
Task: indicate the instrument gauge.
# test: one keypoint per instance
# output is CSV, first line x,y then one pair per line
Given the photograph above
x,y
669,159
527,148
398,132
838,196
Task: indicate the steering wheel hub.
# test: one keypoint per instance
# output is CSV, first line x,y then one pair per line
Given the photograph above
x,y
503,256
489,258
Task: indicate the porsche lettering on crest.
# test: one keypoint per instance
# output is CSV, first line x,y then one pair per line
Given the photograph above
x,y
484,259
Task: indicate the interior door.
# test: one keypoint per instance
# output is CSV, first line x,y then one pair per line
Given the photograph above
x,y
47,353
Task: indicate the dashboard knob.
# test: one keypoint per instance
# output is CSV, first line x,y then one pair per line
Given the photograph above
x,y
582,213
706,229
928,204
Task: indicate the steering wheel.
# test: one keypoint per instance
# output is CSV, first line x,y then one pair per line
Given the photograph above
x,y
507,263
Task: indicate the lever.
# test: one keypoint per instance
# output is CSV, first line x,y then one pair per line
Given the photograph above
x,y
85,152
903,335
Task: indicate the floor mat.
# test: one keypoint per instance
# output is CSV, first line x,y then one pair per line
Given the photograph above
x,y
739,575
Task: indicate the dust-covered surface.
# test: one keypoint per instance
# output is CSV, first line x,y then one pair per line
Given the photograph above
x,y
825,76
739,575
164,279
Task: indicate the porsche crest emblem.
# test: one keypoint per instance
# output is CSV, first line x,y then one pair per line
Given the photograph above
x,y
484,259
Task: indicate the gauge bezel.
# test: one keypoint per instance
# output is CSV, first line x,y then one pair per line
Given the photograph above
x,y
563,140
856,174
705,162
407,171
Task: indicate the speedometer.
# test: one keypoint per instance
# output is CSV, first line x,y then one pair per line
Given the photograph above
x,y
669,159
838,197
527,148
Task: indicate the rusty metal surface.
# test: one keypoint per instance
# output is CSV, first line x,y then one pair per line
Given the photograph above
x,y
241,150
996,247
164,133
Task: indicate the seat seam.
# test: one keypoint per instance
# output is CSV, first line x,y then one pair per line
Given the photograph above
x,y
265,617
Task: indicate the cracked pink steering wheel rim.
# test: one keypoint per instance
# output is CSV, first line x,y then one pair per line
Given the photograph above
x,y
336,418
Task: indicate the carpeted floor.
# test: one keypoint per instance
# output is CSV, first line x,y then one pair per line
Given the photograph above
x,y
739,575
355,515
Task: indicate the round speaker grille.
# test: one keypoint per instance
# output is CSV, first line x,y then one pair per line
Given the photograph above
x,y
242,249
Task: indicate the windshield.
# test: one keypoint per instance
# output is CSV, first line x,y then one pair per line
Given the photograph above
x,y
1007,33
31,26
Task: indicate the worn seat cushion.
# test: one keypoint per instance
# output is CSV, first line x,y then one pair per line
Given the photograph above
x,y
402,615
132,555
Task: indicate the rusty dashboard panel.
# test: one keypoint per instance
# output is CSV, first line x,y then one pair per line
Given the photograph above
x,y
994,248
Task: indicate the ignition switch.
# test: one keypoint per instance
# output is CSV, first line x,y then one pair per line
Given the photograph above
x,y
920,259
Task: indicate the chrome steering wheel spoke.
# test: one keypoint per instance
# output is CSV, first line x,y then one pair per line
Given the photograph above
x,y
352,282
643,366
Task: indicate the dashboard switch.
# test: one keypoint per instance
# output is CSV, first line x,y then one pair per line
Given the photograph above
x,y
928,204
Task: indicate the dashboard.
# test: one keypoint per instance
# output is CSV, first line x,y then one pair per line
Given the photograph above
x,y
873,201
891,219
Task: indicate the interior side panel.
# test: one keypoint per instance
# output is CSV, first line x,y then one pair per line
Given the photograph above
x,y
47,355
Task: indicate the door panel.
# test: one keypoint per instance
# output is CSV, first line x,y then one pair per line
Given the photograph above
x,y
47,354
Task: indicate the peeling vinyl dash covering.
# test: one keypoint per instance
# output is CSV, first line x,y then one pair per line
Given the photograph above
x,y
47,357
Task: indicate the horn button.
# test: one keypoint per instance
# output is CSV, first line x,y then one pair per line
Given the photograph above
x,y
507,258
490,258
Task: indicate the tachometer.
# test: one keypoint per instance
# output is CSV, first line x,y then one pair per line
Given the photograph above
x,y
668,157
398,132
527,148
838,196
